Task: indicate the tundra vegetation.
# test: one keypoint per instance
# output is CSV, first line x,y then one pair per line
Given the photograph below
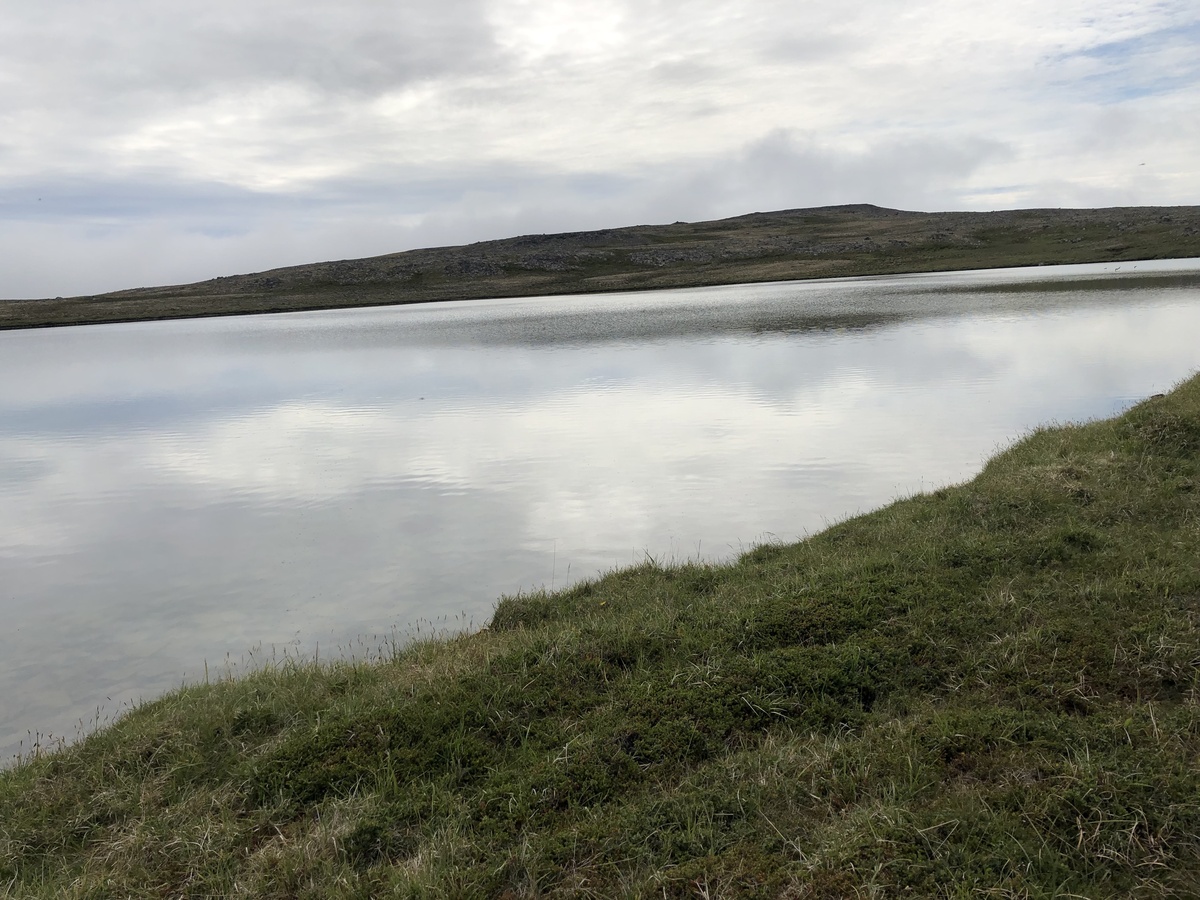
x,y
991,689
777,246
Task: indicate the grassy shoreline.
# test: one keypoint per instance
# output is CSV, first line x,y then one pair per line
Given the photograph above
x,y
787,245
994,687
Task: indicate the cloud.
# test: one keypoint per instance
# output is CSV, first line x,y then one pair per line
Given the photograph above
x,y
237,136
132,53
131,231
784,170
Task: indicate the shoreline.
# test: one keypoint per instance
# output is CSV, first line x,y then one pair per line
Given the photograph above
x,y
828,242
949,693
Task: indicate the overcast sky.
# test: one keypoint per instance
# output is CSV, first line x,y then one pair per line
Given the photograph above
x,y
148,143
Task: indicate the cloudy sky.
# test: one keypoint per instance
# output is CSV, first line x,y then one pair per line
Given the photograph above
x,y
149,143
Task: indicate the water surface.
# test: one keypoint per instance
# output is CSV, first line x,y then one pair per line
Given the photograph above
x,y
173,494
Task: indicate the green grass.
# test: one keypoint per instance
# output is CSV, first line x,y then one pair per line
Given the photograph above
x,y
989,690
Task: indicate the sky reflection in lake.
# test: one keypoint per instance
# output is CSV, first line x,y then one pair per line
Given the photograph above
x,y
176,493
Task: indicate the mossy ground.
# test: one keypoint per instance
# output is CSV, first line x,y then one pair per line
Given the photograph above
x,y
989,690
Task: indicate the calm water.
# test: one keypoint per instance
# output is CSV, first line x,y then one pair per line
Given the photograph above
x,y
174,494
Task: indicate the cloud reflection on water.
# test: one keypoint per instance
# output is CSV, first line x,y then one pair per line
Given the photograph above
x,y
177,492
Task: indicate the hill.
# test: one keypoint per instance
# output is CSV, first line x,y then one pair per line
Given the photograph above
x,y
777,246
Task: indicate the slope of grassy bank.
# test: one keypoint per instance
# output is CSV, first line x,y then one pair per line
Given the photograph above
x,y
990,689
823,242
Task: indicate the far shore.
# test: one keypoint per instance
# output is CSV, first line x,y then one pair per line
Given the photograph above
x,y
824,242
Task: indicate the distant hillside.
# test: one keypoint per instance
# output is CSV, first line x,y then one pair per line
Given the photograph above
x,y
791,244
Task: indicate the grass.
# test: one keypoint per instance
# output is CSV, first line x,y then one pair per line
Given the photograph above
x,y
988,690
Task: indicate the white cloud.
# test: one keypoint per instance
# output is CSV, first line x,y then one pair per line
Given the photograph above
x,y
369,127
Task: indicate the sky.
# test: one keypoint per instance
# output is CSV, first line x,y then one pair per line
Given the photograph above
x,y
158,143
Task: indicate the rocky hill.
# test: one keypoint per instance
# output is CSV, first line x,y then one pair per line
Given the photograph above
x,y
773,246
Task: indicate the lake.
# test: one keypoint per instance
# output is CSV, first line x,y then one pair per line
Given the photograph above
x,y
178,496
